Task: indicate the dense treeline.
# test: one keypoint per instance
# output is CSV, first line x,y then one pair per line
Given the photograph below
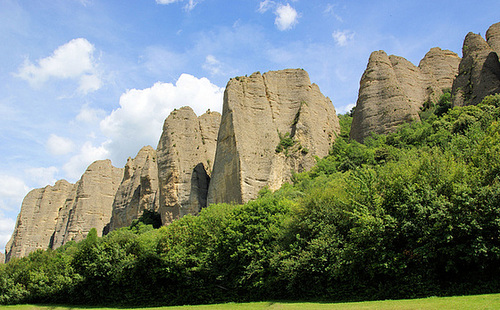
x,y
413,213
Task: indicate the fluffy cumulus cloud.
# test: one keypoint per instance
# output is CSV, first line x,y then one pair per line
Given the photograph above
x,y
188,7
6,228
73,60
286,17
89,153
42,176
139,119
12,189
342,38
57,145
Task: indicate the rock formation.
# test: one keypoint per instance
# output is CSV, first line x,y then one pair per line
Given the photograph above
x,y
138,190
493,38
271,125
90,203
186,152
37,220
479,71
392,90
2,258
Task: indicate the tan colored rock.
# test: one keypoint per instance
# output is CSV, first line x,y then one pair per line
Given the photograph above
x,y
2,258
382,101
186,152
439,68
258,110
493,37
36,222
138,189
392,90
479,71
90,203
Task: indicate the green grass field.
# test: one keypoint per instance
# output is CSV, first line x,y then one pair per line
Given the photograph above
x,y
491,301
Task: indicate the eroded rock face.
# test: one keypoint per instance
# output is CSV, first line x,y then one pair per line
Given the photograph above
x,y
259,111
439,68
392,90
493,38
89,204
2,258
479,71
186,152
37,220
138,190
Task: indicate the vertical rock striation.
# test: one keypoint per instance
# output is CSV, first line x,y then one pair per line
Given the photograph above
x,y
479,71
272,124
493,37
392,90
90,203
138,189
37,220
186,152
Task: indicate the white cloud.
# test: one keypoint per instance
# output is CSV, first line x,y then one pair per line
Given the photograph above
x,y
89,83
42,176
139,119
188,7
77,165
12,192
73,60
330,11
342,38
286,17
57,145
345,108
89,115
264,6
213,65
6,228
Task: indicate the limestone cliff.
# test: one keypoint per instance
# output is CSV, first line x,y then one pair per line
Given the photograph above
x,y
138,189
493,38
90,203
186,152
479,71
392,90
272,124
37,220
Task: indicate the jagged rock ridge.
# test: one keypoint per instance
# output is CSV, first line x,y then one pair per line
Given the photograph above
x,y
90,204
36,222
138,189
392,90
186,152
260,112
479,71
54,215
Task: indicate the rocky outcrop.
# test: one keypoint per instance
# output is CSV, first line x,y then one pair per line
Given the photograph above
x,y
2,258
272,124
138,190
186,152
392,90
479,71
37,220
439,68
493,38
90,203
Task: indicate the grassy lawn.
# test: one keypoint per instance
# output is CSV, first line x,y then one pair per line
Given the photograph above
x,y
491,301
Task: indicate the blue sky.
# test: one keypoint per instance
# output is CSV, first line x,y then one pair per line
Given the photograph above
x,y
82,80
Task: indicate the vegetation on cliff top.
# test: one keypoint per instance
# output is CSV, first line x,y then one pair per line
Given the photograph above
x,y
410,214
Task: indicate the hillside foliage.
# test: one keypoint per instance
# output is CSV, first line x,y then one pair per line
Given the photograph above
x,y
409,214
